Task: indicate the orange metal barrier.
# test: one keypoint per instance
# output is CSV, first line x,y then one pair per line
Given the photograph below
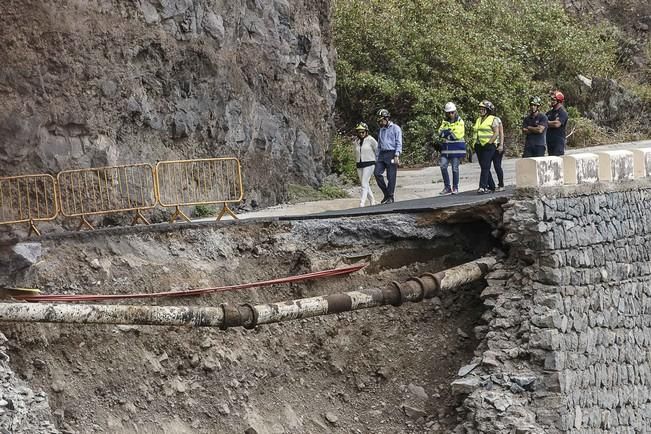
x,y
203,181
27,199
106,190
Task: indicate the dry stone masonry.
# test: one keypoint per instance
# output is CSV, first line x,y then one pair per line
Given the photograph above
x,y
568,342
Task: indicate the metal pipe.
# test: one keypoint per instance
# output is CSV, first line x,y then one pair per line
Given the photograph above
x,y
414,289
111,314
455,277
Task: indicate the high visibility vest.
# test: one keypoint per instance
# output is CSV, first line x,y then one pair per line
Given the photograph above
x,y
457,127
483,130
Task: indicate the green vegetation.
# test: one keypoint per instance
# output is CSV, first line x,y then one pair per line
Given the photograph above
x,y
303,193
411,56
332,192
343,158
203,211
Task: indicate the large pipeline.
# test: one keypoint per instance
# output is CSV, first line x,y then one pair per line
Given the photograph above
x,y
414,289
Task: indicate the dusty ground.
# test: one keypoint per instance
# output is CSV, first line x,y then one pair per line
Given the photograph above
x,y
384,370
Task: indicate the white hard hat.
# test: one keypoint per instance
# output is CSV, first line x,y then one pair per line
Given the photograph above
x,y
450,107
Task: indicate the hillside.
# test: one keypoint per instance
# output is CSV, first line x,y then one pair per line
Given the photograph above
x,y
86,84
413,57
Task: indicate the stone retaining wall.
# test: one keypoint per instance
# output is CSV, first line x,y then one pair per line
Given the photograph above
x,y
567,346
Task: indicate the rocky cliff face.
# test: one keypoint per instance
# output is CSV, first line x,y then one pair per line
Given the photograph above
x,y
106,82
632,17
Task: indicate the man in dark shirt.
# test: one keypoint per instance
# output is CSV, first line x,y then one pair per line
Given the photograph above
x,y
557,117
533,127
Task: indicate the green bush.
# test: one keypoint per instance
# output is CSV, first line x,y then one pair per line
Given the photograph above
x,y
304,193
410,57
203,211
332,192
585,132
343,158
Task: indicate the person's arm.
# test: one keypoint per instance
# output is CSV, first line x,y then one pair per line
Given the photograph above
x,y
398,139
398,150
470,145
377,150
543,123
373,145
500,148
459,130
552,122
536,129
495,126
561,119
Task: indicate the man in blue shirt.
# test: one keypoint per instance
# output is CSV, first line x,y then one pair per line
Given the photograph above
x,y
557,117
533,127
389,148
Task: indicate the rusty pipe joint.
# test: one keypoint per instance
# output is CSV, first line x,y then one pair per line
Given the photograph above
x,y
414,289
243,315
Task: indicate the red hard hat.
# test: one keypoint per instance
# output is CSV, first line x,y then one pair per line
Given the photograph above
x,y
558,96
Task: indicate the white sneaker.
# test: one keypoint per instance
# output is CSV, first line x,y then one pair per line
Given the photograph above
x,y
499,189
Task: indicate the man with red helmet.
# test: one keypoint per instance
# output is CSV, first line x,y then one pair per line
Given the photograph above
x,y
556,125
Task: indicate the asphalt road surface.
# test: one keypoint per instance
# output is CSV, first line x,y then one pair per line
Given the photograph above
x,y
416,188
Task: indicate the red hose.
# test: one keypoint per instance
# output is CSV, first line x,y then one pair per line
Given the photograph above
x,y
192,292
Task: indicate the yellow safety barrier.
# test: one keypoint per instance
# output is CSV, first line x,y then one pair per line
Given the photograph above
x,y
203,181
27,199
106,190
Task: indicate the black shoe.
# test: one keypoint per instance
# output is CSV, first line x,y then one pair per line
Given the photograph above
x,y
389,200
384,200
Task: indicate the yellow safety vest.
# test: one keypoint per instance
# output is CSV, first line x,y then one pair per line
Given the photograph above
x,y
483,130
457,127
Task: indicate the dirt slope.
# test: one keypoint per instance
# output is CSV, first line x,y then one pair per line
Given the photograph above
x,y
378,371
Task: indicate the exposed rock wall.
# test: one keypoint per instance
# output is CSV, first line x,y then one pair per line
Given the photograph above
x,y
106,82
22,411
569,334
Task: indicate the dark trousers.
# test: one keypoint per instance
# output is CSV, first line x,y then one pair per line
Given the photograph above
x,y
485,156
533,151
384,162
497,165
556,149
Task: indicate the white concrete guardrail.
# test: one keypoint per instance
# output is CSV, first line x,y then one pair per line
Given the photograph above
x,y
583,168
